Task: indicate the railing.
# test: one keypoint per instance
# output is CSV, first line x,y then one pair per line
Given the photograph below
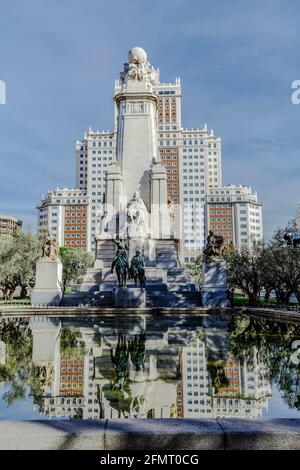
x,y
14,303
293,308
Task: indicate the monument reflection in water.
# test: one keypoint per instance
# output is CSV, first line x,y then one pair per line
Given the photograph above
x,y
149,367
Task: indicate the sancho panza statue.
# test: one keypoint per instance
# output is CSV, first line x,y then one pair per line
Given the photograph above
x,y
137,269
214,246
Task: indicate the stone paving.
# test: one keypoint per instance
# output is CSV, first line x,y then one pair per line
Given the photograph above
x,y
152,434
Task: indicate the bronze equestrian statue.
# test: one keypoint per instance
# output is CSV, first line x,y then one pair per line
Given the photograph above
x,y
137,269
120,262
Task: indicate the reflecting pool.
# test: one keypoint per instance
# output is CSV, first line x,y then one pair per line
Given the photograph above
x,y
144,366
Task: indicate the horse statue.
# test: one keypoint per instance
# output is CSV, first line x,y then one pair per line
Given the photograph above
x,y
215,245
120,362
138,351
137,269
292,239
120,263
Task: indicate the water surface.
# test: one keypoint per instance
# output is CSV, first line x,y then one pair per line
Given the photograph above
x,y
144,366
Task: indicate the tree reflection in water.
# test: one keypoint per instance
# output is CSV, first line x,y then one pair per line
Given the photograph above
x,y
266,346
263,340
18,372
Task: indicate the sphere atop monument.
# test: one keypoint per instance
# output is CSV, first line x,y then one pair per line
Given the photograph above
x,y
137,55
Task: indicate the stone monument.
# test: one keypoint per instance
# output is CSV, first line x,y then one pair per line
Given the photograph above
x,y
215,288
136,208
48,282
136,211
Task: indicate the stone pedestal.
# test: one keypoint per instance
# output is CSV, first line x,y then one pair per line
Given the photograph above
x,y
214,290
133,297
147,248
48,283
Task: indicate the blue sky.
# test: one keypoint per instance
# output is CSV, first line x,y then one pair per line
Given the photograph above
x,y
236,59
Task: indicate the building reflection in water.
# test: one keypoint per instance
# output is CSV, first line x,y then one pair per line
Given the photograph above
x,y
140,367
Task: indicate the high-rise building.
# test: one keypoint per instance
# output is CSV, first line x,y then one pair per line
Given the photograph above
x,y
235,213
66,214
94,153
192,158
8,225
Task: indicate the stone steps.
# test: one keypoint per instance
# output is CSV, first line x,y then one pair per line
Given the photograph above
x,y
173,299
106,252
166,254
156,296
75,299
89,281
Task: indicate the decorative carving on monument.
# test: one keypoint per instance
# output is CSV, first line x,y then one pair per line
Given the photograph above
x,y
138,68
50,247
136,107
214,246
137,214
102,223
170,208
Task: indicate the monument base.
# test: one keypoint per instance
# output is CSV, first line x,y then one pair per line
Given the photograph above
x,y
134,297
215,289
48,284
215,298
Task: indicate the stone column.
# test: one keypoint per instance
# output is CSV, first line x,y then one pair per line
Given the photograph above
x,y
113,203
160,217
136,137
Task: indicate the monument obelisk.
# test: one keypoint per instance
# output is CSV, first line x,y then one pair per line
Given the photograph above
x,y
136,201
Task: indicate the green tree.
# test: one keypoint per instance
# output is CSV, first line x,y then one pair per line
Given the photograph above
x,y
274,261
284,264
196,268
245,271
75,262
28,250
18,255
